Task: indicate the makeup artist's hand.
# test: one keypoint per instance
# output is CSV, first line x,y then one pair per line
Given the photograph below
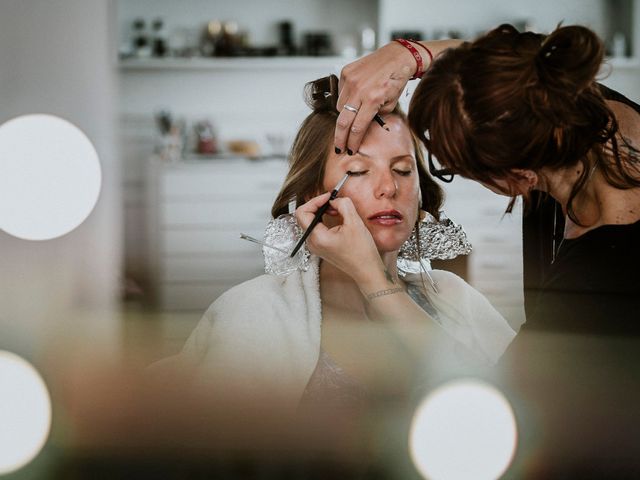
x,y
349,246
371,84
374,84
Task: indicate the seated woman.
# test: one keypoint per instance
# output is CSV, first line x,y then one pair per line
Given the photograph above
x,y
284,333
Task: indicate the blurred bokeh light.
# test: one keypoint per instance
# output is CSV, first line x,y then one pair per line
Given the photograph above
x,y
49,177
465,429
25,412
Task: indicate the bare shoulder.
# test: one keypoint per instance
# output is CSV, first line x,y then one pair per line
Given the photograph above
x,y
628,122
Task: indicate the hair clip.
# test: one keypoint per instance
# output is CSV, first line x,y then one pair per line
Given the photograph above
x,y
317,95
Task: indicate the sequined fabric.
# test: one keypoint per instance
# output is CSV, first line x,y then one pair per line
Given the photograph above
x,y
331,387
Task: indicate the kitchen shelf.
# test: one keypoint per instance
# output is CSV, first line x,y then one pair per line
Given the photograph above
x,y
624,63
237,63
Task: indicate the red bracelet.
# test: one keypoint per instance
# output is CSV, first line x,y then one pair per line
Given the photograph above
x,y
416,54
427,50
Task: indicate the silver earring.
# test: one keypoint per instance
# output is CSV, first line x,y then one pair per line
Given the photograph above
x,y
439,239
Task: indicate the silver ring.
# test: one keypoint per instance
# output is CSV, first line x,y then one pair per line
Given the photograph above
x,y
350,108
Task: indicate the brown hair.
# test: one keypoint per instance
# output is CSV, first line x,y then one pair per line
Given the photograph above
x,y
310,151
521,100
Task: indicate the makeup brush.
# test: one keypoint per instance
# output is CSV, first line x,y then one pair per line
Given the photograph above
x,y
380,122
321,211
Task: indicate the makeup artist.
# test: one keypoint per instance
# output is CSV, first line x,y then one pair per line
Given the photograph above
x,y
522,114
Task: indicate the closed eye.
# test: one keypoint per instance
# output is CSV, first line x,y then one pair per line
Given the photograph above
x,y
357,174
404,173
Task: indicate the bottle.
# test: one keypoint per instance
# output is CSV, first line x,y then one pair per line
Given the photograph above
x,y
210,38
159,48
226,45
619,45
286,44
141,44
367,40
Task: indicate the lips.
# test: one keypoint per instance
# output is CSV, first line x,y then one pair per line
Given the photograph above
x,y
387,214
386,217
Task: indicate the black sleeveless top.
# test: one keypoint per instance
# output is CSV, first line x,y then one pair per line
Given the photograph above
x,y
594,284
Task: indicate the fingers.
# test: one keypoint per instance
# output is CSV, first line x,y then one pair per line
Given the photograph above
x,y
351,126
359,126
306,212
389,104
343,125
373,84
345,117
343,89
346,209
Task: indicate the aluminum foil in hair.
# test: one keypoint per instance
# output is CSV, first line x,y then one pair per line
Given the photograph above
x,y
283,233
439,239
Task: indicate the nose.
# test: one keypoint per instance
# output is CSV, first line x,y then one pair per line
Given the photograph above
x,y
387,186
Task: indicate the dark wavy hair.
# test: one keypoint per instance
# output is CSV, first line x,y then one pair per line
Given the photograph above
x,y
310,151
522,100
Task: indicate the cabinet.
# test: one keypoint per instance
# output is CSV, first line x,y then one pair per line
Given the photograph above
x,y
197,210
495,265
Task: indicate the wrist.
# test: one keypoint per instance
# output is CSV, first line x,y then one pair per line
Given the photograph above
x,y
416,55
423,49
375,278
402,58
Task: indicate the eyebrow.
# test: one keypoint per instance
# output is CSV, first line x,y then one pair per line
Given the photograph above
x,y
397,157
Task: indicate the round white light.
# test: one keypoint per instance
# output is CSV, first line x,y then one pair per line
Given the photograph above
x,y
49,177
463,430
25,412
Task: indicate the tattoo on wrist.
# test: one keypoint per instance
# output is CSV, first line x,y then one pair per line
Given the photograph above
x,y
380,293
389,277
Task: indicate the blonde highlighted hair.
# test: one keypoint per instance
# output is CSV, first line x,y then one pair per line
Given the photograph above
x,y
311,147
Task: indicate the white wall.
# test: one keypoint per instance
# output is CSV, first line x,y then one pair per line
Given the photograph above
x,y
57,58
472,17
624,76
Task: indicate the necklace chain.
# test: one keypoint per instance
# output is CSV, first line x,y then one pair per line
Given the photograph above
x,y
556,251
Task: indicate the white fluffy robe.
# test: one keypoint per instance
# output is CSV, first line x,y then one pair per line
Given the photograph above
x,y
264,334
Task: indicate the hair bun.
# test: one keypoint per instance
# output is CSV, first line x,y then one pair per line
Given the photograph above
x,y
321,95
569,60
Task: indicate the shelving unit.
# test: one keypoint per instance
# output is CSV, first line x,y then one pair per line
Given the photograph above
x,y
624,63
194,247
237,63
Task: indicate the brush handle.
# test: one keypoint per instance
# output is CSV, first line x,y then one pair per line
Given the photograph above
x,y
317,219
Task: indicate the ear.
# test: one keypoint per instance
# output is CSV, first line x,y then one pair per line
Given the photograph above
x,y
523,181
